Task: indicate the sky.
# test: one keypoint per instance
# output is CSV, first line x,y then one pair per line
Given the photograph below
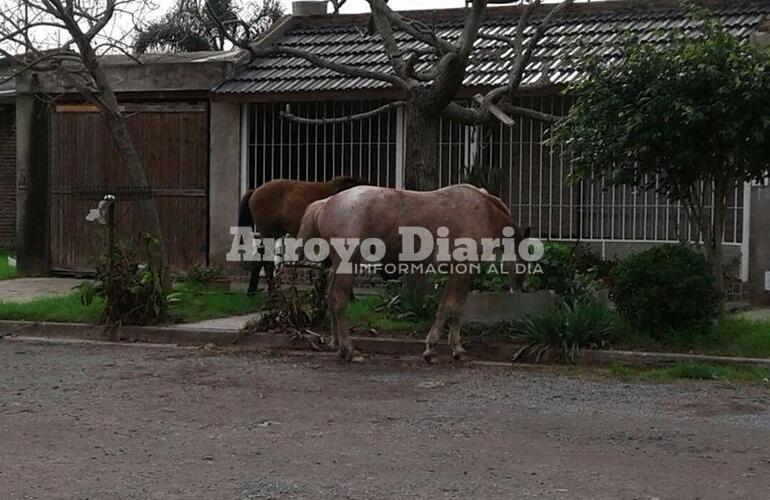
x,y
353,6
124,24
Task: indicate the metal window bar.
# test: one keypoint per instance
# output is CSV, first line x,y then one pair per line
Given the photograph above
x,y
533,174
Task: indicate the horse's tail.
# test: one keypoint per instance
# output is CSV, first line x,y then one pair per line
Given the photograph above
x,y
244,214
309,227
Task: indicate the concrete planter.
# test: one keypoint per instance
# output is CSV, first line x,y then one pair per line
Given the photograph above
x,y
486,308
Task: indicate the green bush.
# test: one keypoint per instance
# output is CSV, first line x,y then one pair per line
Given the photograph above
x,y
491,279
131,285
412,301
203,275
588,324
665,288
573,272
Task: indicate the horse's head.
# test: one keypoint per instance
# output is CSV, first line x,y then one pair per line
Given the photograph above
x,y
345,182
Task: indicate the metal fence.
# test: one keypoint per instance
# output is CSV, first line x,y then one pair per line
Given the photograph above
x,y
275,148
533,175
534,182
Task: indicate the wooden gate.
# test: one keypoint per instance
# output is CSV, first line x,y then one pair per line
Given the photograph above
x,y
173,143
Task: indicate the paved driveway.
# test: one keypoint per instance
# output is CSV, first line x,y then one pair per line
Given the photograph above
x,y
103,421
24,289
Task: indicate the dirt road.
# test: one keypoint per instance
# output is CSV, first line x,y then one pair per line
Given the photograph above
x,y
103,422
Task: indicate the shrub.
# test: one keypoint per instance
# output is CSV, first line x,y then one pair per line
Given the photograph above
x,y
404,300
490,279
569,328
664,288
573,272
203,275
289,308
132,285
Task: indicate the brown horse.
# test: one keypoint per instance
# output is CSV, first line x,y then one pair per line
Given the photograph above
x,y
275,209
372,212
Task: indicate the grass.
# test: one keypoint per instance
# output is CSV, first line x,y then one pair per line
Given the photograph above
x,y
199,305
62,308
729,336
362,312
693,371
194,304
6,271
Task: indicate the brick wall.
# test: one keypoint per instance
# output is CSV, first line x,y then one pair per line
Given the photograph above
x,y
7,177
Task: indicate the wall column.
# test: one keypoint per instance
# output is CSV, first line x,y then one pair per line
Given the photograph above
x,y
224,179
759,245
32,181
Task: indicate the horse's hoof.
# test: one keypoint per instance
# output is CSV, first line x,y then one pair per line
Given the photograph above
x,y
351,356
459,354
429,355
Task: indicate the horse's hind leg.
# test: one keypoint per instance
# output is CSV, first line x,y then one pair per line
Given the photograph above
x,y
434,335
339,295
450,307
455,311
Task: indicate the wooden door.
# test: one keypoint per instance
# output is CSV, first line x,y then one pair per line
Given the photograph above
x,y
173,143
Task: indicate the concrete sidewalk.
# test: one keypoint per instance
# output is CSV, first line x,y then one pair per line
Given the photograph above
x,y
25,289
232,323
756,314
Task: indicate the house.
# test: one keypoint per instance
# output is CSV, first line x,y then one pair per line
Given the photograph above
x,y
65,159
614,220
7,159
209,128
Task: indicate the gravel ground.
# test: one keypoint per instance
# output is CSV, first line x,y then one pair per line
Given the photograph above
x,y
106,421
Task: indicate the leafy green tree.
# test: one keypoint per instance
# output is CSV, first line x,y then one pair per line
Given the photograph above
x,y
691,113
189,28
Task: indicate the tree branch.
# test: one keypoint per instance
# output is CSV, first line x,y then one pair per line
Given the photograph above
x,y
286,115
530,113
471,28
417,30
322,62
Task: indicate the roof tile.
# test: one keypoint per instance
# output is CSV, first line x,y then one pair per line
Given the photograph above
x,y
596,30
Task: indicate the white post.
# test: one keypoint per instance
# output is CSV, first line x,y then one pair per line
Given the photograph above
x,y
400,147
746,236
244,149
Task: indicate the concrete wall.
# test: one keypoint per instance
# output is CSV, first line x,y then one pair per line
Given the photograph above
x,y
153,77
7,175
32,182
224,178
759,245
617,250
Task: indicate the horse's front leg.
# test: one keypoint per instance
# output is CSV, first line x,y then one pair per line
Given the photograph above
x,y
256,268
333,341
270,274
339,296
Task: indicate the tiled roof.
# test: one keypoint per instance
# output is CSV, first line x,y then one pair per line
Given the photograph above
x,y
594,27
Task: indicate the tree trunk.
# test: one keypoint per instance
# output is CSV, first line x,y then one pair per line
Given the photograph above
x,y
716,248
146,207
421,150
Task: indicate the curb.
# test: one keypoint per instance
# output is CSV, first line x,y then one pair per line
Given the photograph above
x,y
387,346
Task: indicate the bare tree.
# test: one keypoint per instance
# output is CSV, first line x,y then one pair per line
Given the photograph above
x,y
430,76
30,35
